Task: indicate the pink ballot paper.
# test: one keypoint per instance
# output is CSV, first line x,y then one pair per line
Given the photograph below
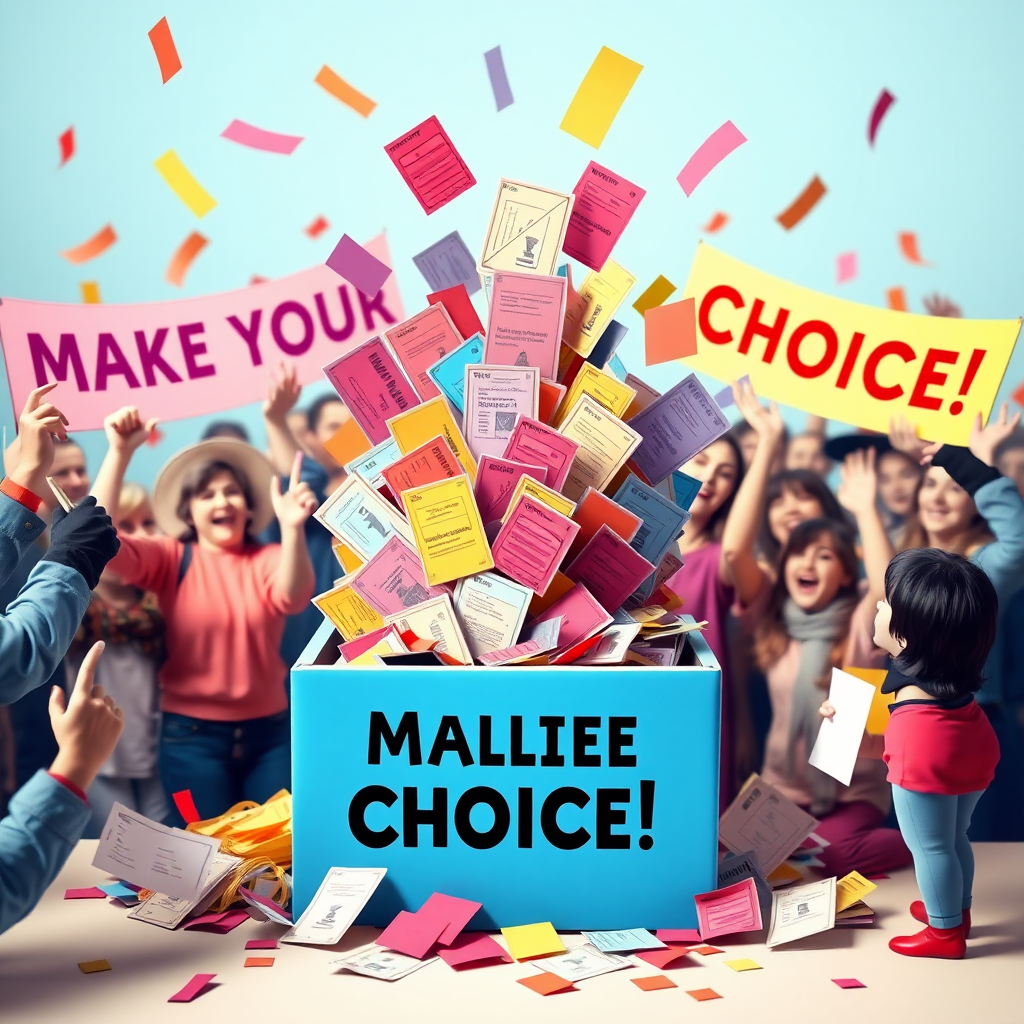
x,y
472,948
531,545
386,634
581,614
525,323
604,203
496,479
420,342
729,911
372,385
536,443
453,911
430,165
192,989
411,934
393,580
494,397
609,568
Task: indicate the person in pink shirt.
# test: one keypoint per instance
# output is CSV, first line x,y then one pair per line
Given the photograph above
x,y
225,733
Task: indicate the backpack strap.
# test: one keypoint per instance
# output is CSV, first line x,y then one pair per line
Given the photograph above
x,y
186,561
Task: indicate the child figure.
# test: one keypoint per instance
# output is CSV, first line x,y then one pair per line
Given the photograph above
x,y
938,621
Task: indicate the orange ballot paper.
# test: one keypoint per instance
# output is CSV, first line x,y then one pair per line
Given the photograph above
x,y
496,479
609,568
448,532
347,611
545,495
532,543
426,465
536,443
434,620
602,387
595,510
525,323
415,428
420,342
495,397
527,228
601,293
605,444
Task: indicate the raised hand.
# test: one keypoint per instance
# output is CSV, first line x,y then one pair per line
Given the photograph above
x,y
126,430
985,440
858,488
766,422
39,423
939,305
903,437
283,390
298,503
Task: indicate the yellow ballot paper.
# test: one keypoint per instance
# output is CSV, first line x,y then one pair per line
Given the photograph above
x,y
602,387
878,714
851,888
605,444
349,613
602,293
527,229
601,93
538,491
347,558
526,941
447,529
434,620
415,427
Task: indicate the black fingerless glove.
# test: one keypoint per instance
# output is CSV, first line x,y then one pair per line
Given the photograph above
x,y
965,468
83,539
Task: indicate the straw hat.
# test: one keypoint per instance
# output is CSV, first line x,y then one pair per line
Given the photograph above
x,y
249,462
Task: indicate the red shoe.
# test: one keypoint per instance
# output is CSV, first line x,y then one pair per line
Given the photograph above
x,y
942,943
918,913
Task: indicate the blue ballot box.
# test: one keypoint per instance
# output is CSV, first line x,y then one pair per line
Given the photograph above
x,y
587,797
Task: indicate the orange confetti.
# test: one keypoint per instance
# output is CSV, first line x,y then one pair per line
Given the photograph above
x,y
91,292
654,983
165,50
897,299
803,204
717,222
100,242
182,259
1018,395
701,994
259,961
546,984
670,332
908,246
256,279
318,227
341,90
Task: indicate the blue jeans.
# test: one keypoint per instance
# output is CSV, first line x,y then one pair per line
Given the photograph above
x,y
934,826
224,762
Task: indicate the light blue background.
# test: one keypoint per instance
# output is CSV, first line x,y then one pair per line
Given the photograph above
x,y
798,78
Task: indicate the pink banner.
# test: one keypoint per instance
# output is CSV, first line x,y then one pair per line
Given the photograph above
x,y
189,357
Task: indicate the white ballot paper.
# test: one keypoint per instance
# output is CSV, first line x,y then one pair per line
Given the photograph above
x,y
582,962
170,861
763,820
801,911
336,905
169,911
377,962
835,749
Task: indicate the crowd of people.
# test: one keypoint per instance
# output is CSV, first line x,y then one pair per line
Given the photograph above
x,y
166,629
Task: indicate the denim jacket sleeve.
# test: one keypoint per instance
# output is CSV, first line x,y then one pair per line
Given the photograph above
x,y
1002,507
40,623
44,823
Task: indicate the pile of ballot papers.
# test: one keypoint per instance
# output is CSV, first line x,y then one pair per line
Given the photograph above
x,y
513,495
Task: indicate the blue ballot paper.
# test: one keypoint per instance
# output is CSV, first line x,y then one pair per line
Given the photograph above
x,y
627,941
369,464
120,891
606,345
616,366
684,489
663,520
449,372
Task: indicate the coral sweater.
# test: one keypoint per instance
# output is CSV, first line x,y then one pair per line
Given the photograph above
x,y
224,626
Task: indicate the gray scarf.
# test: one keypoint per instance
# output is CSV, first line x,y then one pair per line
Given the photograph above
x,y
817,633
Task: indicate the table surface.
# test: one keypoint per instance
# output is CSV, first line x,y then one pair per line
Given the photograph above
x,y
40,980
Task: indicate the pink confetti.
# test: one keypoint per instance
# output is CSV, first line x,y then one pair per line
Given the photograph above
x,y
711,152
258,138
846,267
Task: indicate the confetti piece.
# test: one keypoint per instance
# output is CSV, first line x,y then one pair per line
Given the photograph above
x,y
67,146
258,138
802,205
897,299
165,50
717,222
670,332
180,181
706,950
341,90
459,307
257,279
908,246
652,984
183,798
92,966
352,262
701,994
194,988
877,877
318,227
742,965
156,435
499,80
848,983
846,267
100,242
259,961
182,260
601,93
1018,395
710,153
654,295
680,934
262,944
545,984
663,958
90,292
882,104
119,891
91,893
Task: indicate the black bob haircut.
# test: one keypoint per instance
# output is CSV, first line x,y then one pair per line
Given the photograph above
x,y
944,608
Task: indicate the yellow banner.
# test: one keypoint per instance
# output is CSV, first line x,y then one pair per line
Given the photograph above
x,y
841,360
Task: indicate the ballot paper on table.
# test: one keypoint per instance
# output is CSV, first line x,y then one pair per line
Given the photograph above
x,y
385,964
835,750
582,962
167,860
626,940
801,911
729,911
169,911
342,895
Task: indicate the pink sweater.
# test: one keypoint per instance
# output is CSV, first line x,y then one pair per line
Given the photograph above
x,y
224,626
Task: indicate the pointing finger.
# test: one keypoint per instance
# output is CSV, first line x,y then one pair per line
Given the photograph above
x,y
87,673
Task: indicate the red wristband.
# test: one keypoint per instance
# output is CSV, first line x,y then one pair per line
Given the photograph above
x,y
68,784
20,494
